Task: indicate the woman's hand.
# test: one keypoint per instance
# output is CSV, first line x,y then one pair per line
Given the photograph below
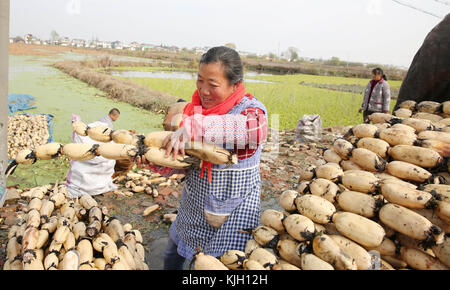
x,y
176,142
141,162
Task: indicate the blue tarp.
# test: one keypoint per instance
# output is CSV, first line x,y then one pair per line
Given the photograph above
x,y
19,102
2,195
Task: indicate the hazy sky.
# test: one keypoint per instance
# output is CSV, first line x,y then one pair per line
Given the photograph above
x,y
376,31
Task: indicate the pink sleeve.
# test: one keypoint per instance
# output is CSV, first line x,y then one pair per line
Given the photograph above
x,y
74,119
218,129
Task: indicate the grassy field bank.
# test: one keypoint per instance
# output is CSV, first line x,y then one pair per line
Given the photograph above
x,y
287,98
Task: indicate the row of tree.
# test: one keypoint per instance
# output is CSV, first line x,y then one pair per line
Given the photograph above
x,y
292,54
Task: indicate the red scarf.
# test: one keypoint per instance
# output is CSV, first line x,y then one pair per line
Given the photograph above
x,y
373,83
220,109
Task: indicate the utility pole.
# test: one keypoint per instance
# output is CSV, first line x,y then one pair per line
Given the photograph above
x,y
279,50
4,63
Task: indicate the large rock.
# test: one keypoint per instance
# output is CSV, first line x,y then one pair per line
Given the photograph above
x,y
174,115
12,194
428,77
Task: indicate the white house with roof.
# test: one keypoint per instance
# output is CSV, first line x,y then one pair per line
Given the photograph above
x,y
160,47
64,41
126,46
106,44
11,40
199,50
146,47
78,42
36,41
135,46
244,53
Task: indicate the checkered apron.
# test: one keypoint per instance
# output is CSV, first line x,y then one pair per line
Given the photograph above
x,y
234,190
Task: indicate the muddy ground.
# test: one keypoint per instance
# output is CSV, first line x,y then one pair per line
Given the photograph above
x,y
280,166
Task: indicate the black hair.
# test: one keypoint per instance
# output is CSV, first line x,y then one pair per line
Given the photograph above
x,y
379,71
114,111
234,69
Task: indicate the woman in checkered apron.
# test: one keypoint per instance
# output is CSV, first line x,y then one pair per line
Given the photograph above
x,y
216,206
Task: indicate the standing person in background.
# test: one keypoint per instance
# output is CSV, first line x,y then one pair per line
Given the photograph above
x,y
377,96
112,116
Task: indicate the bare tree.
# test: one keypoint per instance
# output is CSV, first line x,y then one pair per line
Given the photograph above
x,y
54,35
293,53
105,62
231,45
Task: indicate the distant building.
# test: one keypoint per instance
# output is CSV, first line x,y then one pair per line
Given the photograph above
x,y
160,47
135,46
36,41
116,45
146,47
126,46
19,39
245,53
199,50
78,42
28,38
11,40
65,41
91,44
106,44
174,48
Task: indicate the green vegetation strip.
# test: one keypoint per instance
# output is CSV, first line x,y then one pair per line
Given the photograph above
x,y
150,69
121,90
286,98
298,78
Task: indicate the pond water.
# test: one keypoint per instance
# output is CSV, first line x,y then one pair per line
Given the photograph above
x,y
60,95
177,75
